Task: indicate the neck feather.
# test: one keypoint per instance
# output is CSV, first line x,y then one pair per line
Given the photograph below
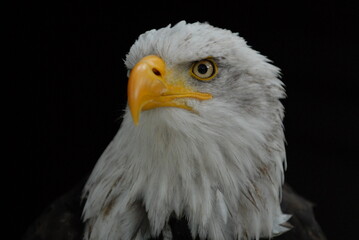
x,y
218,171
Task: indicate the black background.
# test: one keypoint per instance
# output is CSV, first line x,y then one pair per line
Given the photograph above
x,y
70,88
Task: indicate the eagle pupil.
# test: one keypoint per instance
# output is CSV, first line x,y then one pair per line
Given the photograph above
x,y
202,68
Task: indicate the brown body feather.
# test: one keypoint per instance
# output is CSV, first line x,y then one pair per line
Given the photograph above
x,y
62,219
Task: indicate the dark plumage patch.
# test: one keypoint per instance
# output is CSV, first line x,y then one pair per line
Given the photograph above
x,y
62,220
179,228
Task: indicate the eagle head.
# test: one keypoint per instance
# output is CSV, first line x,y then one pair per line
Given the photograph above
x,y
201,138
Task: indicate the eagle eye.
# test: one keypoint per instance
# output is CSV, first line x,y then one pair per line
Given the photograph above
x,y
204,70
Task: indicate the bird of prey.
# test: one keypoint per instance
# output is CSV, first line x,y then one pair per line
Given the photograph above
x,y
201,140
199,155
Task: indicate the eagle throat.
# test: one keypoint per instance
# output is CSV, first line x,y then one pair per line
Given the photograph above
x,y
217,171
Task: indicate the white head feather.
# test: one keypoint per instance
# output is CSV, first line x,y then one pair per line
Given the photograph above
x,y
220,167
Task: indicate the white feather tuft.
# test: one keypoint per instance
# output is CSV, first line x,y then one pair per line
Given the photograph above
x,y
222,206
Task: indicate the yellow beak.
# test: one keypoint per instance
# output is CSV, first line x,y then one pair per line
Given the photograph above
x,y
148,88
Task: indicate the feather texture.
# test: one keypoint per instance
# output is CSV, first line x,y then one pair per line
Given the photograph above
x,y
220,166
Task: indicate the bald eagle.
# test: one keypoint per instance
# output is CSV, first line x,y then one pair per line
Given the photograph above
x,y
201,140
200,153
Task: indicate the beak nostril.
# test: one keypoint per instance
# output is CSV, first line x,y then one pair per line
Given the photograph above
x,y
156,72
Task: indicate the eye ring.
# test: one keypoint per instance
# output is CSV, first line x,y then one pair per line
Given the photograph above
x,y
204,70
